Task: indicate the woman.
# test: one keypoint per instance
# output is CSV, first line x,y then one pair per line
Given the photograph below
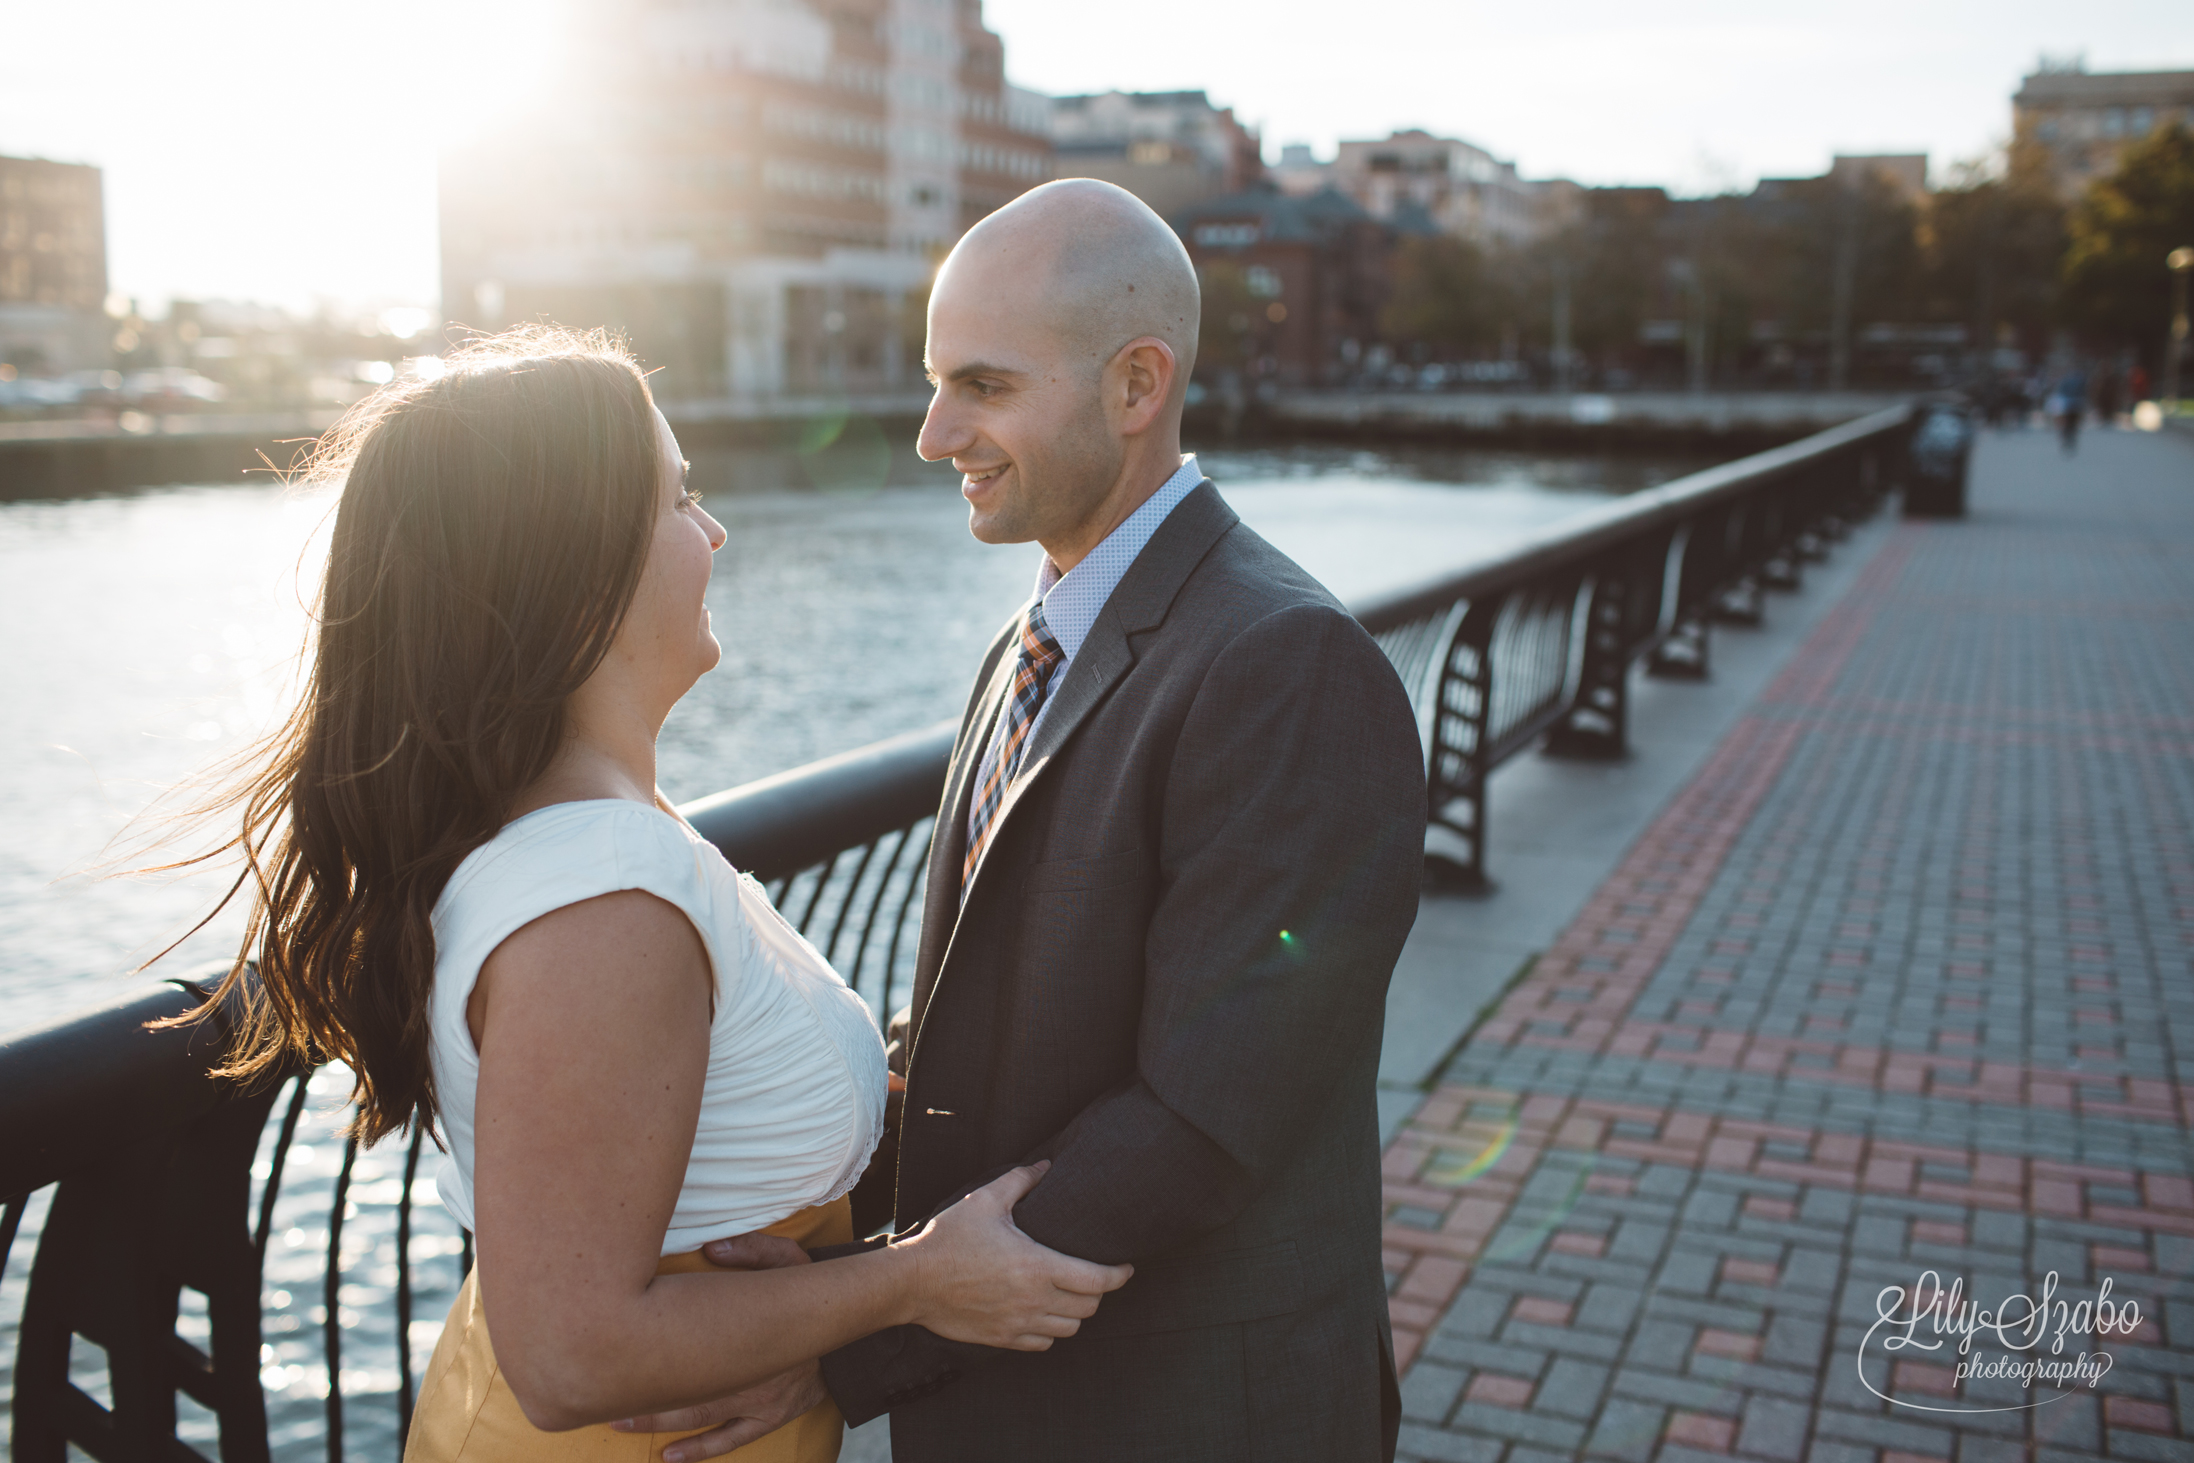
x,y
469,888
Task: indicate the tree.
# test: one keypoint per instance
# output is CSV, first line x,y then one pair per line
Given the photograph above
x,y
1447,296
2116,289
1226,332
1616,255
1992,244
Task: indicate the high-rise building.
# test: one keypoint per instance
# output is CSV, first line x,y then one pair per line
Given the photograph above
x,y
1168,148
755,191
53,266
2083,120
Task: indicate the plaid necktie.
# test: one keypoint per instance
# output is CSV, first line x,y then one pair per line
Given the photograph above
x,y
1039,655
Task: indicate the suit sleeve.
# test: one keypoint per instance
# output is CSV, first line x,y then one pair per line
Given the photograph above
x,y
1290,853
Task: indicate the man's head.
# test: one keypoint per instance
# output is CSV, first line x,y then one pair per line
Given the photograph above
x,y
1061,334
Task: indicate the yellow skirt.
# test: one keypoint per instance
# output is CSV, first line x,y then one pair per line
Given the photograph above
x,y
467,1414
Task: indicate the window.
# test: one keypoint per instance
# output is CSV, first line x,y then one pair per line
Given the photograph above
x,y
1227,236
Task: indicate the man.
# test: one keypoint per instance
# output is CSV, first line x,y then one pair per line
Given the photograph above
x,y
1177,856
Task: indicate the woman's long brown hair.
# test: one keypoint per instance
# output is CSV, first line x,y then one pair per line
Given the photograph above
x,y
491,532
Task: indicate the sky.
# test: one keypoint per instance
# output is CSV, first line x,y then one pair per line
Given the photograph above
x,y
283,151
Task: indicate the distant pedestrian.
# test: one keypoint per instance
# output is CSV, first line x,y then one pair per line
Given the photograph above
x,y
2109,395
2068,403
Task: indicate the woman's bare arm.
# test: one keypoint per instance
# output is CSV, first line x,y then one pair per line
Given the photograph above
x,y
593,1024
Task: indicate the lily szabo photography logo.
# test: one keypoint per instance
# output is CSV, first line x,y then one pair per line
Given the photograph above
x,y
2027,1339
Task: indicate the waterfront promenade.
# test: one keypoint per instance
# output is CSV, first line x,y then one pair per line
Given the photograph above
x,y
1900,979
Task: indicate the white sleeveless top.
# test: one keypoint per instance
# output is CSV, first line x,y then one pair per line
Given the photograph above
x,y
793,1101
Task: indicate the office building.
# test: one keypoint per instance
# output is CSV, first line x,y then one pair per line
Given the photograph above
x,y
53,267
756,191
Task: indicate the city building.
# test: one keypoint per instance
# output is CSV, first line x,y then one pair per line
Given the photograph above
x,y
1299,172
755,191
1464,190
53,267
2082,120
1304,279
1168,148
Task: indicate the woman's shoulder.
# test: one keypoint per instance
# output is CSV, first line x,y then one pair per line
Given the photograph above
x,y
567,852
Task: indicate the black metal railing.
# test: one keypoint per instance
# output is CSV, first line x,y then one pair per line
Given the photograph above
x,y
1538,640
183,1232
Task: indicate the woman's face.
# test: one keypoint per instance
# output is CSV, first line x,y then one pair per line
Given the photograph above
x,y
666,633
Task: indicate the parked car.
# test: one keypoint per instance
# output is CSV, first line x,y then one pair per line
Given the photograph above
x,y
170,388
40,393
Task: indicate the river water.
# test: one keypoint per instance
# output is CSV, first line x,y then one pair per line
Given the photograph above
x,y
148,636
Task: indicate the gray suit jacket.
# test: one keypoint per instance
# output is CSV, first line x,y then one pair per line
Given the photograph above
x,y
1169,977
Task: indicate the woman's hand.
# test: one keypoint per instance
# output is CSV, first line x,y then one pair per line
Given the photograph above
x,y
979,1279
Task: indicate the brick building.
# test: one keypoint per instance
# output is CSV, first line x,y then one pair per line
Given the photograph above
x,y
1313,274
755,190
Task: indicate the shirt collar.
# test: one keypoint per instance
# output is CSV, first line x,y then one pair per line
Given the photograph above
x,y
1073,600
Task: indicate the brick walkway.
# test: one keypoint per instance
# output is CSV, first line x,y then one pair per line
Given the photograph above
x,y
1903,982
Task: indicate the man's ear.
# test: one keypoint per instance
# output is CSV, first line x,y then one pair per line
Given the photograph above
x,y
1148,370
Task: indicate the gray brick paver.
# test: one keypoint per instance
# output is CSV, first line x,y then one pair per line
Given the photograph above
x,y
1978,849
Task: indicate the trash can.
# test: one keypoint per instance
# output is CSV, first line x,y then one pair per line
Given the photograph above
x,y
1936,460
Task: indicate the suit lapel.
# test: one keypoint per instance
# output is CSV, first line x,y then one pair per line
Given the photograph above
x,y
948,840
1138,602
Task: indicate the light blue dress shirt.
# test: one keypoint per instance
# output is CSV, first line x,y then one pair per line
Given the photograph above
x,y
1072,601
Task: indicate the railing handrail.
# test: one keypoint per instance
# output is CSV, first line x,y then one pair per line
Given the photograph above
x,y
1580,535
791,819
798,817
88,1083
1532,641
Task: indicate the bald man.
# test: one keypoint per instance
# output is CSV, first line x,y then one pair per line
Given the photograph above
x,y
1177,856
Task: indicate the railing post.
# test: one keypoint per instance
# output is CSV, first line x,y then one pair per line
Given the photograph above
x,y
1457,767
1779,569
1596,726
1685,651
1686,654
121,1241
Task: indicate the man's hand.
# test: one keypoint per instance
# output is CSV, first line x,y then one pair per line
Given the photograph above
x,y
761,1409
759,1250
737,1420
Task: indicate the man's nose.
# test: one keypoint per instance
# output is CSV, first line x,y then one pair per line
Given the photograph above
x,y
943,433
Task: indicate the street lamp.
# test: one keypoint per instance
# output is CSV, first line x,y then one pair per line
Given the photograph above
x,y
2180,262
